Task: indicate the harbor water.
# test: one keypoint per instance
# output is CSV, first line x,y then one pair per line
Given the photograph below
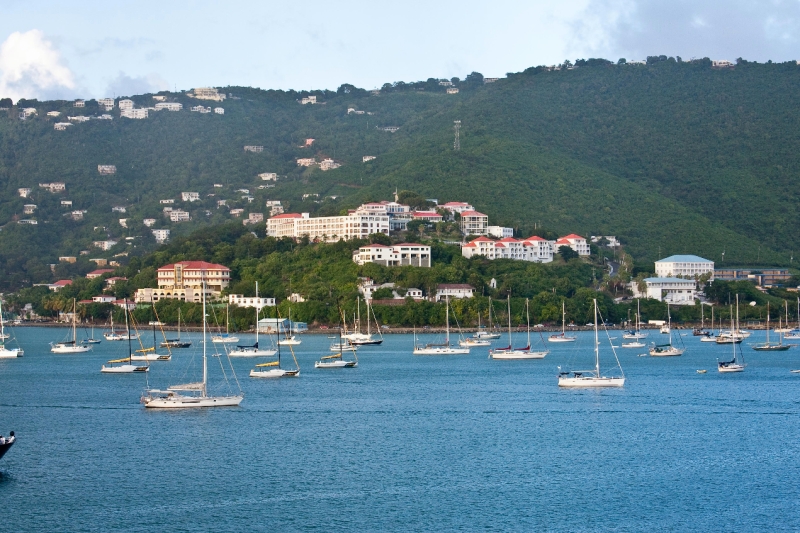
x,y
404,442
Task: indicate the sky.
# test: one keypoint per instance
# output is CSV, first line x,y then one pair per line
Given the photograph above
x,y
50,49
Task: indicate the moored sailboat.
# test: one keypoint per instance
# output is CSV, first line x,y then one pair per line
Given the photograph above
x,y
70,346
772,346
176,343
226,337
6,352
273,369
518,353
736,364
125,365
253,350
579,379
637,331
443,348
666,350
562,337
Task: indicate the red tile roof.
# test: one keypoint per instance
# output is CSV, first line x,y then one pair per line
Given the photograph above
x,y
194,265
410,244
483,239
63,282
470,245
375,246
536,238
563,241
572,236
99,272
509,239
287,215
472,214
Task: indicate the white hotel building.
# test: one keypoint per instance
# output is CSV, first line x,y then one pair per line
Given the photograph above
x,y
328,229
184,281
535,249
405,254
686,266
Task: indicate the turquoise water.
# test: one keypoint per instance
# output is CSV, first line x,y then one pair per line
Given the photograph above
x,y
405,443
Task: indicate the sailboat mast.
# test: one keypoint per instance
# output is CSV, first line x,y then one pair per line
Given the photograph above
x,y
358,314
368,329
596,342
447,320
205,366
528,316
74,334
767,322
509,320
564,319
258,309
128,330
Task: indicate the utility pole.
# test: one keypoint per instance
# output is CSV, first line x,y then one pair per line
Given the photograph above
x,y
457,142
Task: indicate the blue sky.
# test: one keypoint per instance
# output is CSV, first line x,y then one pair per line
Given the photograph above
x,y
95,49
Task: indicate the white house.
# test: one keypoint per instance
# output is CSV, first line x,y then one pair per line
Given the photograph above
x,y
576,242
28,209
219,111
676,291
178,215
306,162
250,301
687,266
207,93
106,169
149,222
79,118
457,207
268,176
309,100
329,229
24,192
474,223
328,164
454,290
405,254
254,149
119,209
161,235
452,90
133,113
167,201
104,245
366,158
169,106
125,104
499,231
190,196
106,103
53,113
79,103
61,126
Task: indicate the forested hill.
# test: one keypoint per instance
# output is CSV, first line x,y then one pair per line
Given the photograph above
x,y
670,157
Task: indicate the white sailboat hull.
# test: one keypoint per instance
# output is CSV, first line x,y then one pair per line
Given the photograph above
x,y
343,348
252,352
708,338
291,341
731,368
666,352
274,373
187,402
589,382
151,357
635,336
443,350
517,354
561,338
61,348
120,336
5,353
472,343
336,364
124,369
633,345
487,336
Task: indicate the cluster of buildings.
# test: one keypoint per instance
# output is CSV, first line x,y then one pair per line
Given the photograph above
x,y
184,281
534,248
324,165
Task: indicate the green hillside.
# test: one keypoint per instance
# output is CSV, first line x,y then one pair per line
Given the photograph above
x,y
670,157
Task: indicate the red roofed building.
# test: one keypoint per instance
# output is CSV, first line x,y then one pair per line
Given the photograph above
x,y
327,229
282,225
457,207
60,284
474,223
110,282
426,216
534,249
99,272
576,242
185,280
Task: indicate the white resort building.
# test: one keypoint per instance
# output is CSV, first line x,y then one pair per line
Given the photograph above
x,y
675,291
405,254
576,242
534,249
686,266
328,229
184,281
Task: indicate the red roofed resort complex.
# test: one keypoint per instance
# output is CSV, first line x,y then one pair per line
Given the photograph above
x,y
534,248
184,281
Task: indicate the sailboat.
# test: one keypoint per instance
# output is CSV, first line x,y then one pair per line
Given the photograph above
x,y
709,337
70,346
637,331
174,397
737,363
787,328
148,354
253,350
476,340
580,379
5,352
364,339
226,337
771,346
114,335
562,337
443,348
288,340
490,334
125,365
666,350
337,360
735,336
634,336
176,343
795,333
701,332
518,353
273,369
91,339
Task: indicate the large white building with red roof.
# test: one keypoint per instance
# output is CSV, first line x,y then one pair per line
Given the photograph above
x,y
404,254
576,242
457,207
328,229
534,249
474,223
185,280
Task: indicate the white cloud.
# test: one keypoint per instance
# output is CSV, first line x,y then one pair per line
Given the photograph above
x,y
31,67
124,85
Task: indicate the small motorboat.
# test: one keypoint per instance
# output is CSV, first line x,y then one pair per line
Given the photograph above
x,y
6,443
702,371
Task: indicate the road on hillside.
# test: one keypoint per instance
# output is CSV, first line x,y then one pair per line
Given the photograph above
x,y
613,268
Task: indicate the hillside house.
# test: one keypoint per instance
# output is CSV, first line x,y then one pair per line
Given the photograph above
x,y
77,215
308,100
474,223
98,261
576,242
61,126
107,104
675,291
499,231
66,203
79,103
28,221
254,149
53,113
200,109
275,210
240,300
134,113
110,282
119,209
106,169
28,209
99,273
306,162
268,176
79,118
452,90
366,158
24,192
161,235
219,111
56,186
221,203
684,266
207,93
453,291
236,212
253,218
169,106
190,196
123,222
167,201
309,142
104,245
457,207
178,215
67,259
149,222
328,164
60,284
103,299
427,216
125,104
390,129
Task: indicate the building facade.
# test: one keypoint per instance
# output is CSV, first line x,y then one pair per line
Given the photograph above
x,y
675,291
576,242
184,281
686,266
328,229
405,254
